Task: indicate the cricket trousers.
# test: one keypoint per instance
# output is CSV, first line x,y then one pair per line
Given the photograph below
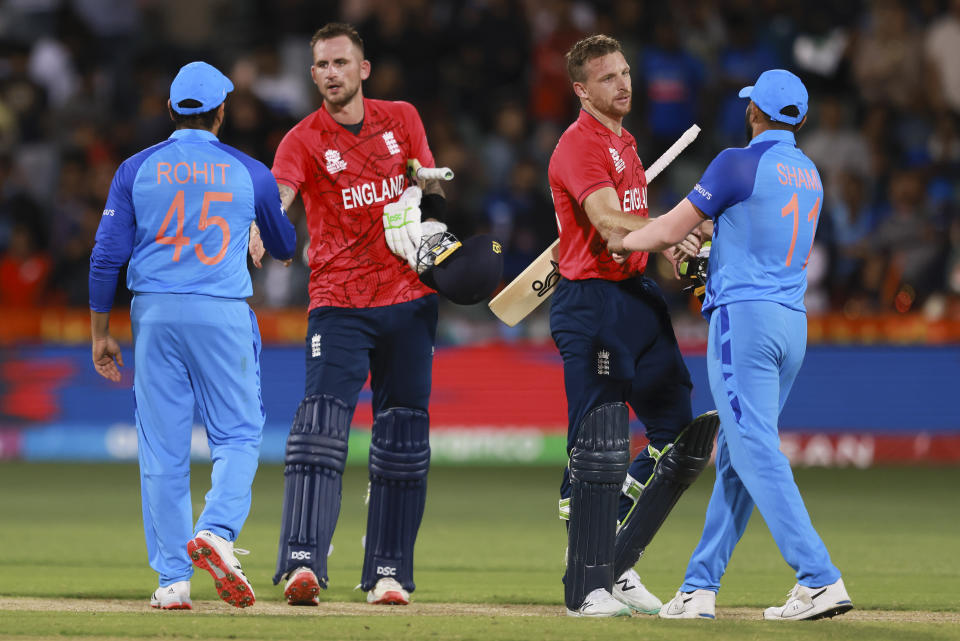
x,y
618,345
194,352
755,349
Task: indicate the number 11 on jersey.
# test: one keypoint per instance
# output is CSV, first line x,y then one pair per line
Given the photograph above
x,y
793,207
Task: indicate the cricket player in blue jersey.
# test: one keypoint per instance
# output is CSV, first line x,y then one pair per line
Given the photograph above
x,y
180,212
764,201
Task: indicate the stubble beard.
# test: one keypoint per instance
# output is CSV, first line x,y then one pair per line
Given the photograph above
x,y
613,110
343,99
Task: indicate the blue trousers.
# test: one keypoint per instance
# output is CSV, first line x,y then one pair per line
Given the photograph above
x,y
618,345
193,350
755,351
393,343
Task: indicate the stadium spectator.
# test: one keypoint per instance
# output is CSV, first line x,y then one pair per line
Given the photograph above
x,y
86,80
887,61
942,49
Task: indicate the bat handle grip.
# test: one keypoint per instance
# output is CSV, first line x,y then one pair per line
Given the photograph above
x,y
438,173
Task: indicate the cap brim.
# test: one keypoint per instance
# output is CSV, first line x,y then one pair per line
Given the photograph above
x,y
746,91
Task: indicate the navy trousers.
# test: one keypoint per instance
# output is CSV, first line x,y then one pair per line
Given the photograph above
x,y
618,345
394,343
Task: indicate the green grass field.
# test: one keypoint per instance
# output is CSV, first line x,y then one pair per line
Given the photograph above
x,y
73,561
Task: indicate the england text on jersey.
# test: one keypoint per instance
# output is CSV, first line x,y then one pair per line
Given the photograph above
x,y
368,193
635,199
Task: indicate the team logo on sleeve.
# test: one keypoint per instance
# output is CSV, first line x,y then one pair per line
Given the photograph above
x,y
618,163
334,162
392,145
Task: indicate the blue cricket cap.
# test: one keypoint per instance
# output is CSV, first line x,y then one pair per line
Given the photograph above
x,y
201,82
775,91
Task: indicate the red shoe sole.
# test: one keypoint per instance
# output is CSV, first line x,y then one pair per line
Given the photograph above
x,y
173,606
391,597
303,589
231,587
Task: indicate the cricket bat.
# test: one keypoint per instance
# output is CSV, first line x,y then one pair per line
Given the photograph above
x,y
536,283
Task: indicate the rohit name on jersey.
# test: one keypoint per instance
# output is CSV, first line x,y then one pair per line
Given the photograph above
x,y
798,177
207,173
373,192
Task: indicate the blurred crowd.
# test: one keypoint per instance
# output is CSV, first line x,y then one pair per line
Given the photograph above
x,y
84,84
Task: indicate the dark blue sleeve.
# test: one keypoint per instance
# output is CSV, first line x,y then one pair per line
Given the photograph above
x,y
114,240
277,232
728,180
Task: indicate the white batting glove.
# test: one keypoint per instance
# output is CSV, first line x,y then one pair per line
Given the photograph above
x,y
401,225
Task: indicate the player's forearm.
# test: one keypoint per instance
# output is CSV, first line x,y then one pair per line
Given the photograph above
x,y
652,238
607,223
287,195
99,324
664,231
603,209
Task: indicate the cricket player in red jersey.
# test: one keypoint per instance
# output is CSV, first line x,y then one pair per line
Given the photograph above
x,y
369,312
614,333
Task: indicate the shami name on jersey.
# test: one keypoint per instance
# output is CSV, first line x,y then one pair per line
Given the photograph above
x,y
372,192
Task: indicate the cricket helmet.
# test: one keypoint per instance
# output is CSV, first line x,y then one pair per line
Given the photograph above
x,y
465,273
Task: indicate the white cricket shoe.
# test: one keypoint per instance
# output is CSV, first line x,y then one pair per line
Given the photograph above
x,y
302,587
631,592
175,596
388,591
699,604
600,603
805,604
215,554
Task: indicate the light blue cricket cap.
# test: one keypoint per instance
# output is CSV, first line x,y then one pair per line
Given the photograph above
x,y
775,91
201,82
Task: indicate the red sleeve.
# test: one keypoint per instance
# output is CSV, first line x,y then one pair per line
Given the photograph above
x,y
582,167
419,148
288,162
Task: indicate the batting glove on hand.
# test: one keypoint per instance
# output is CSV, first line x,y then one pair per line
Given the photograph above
x,y
695,271
401,225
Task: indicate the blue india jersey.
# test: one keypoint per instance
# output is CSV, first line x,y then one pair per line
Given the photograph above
x,y
765,202
180,211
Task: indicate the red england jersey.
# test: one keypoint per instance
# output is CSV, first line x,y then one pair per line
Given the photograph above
x,y
588,157
345,180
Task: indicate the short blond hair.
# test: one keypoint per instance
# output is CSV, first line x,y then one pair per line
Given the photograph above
x,y
595,46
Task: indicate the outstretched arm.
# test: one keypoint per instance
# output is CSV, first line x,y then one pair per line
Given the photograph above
x,y
662,232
